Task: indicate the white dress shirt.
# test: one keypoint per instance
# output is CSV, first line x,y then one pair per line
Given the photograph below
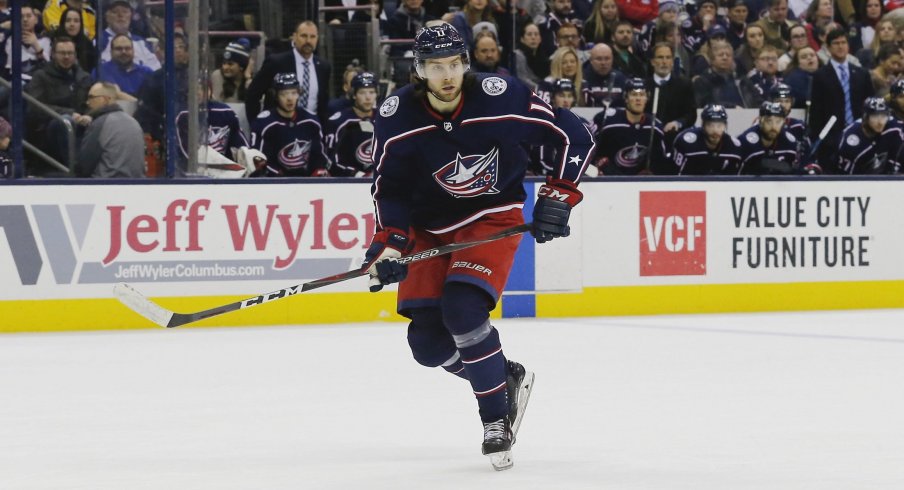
x,y
313,88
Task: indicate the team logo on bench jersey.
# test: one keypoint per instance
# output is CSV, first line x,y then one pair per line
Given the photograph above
x,y
469,176
295,154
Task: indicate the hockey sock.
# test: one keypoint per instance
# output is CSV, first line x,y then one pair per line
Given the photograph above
x,y
456,367
466,315
431,343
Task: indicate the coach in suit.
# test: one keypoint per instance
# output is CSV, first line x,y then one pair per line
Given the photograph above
x,y
676,109
839,89
313,75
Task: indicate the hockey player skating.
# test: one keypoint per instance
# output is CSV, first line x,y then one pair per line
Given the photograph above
x,y
290,137
872,144
767,148
708,150
350,132
449,166
623,136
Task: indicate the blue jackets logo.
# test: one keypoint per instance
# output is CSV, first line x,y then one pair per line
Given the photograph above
x,y
471,175
295,154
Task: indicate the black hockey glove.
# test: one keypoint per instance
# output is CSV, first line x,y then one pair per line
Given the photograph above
x,y
554,202
380,260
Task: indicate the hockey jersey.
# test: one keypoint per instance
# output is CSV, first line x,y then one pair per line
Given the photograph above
x,y
693,157
293,146
622,146
859,153
543,158
349,141
780,158
223,130
443,171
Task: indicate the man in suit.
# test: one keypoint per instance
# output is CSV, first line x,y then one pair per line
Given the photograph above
x,y
839,89
313,75
676,108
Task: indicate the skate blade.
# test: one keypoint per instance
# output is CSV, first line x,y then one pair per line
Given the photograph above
x,y
524,392
502,460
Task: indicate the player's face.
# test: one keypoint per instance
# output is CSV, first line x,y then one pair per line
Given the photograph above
x,y
637,100
287,99
564,100
785,102
714,131
663,62
770,126
366,98
876,122
444,77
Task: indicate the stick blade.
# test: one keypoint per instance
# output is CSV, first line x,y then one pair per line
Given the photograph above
x,y
130,297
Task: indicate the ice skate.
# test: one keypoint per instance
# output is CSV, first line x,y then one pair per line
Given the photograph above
x,y
519,386
497,443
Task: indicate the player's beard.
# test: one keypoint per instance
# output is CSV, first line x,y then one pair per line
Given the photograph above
x,y
444,98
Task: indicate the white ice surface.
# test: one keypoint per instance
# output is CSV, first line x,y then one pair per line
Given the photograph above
x,y
727,402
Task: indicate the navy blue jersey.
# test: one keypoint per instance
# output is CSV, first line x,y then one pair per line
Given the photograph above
x,y
349,141
622,145
779,158
859,153
293,146
223,130
441,172
543,158
693,157
798,129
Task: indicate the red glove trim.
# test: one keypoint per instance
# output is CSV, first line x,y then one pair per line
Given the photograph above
x,y
561,190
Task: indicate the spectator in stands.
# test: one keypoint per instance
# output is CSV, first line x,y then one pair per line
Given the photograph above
x,y
113,145
344,99
35,48
532,64
671,35
703,59
885,34
676,107
839,89
121,69
800,73
118,17
887,70
604,85
84,47
776,25
474,12
569,36
718,84
564,64
560,12
825,53
152,97
896,99
54,11
668,16
6,161
737,22
600,27
508,15
757,85
312,72
695,32
405,22
745,56
819,15
798,37
486,54
229,82
625,58
863,31
638,12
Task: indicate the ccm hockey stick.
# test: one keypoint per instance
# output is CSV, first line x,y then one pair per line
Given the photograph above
x,y
130,297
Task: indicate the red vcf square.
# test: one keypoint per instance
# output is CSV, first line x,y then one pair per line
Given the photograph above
x,y
673,233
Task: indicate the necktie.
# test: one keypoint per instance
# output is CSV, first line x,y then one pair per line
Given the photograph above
x,y
846,86
305,84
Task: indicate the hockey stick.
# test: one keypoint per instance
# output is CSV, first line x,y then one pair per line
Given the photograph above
x,y
822,134
652,127
130,297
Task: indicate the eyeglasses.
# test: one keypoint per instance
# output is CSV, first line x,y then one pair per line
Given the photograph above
x,y
768,58
799,36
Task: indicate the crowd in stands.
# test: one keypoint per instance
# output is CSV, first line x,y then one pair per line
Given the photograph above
x,y
625,59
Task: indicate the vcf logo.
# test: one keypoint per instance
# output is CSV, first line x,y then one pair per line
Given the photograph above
x,y
60,251
673,233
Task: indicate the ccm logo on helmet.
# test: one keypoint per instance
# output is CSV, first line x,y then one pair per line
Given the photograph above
x,y
440,46
551,193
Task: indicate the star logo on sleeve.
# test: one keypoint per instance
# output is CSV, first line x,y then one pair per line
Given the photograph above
x,y
575,160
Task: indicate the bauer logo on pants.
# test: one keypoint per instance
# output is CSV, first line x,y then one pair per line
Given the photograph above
x,y
673,233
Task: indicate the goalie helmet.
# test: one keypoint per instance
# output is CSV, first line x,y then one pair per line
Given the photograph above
x,y
441,41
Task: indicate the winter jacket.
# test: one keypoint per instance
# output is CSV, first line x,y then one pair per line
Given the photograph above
x,y
112,147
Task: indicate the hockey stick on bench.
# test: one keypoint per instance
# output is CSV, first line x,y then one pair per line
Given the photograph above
x,y
130,297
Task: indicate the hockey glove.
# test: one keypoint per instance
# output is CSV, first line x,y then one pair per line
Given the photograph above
x,y
554,202
380,260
